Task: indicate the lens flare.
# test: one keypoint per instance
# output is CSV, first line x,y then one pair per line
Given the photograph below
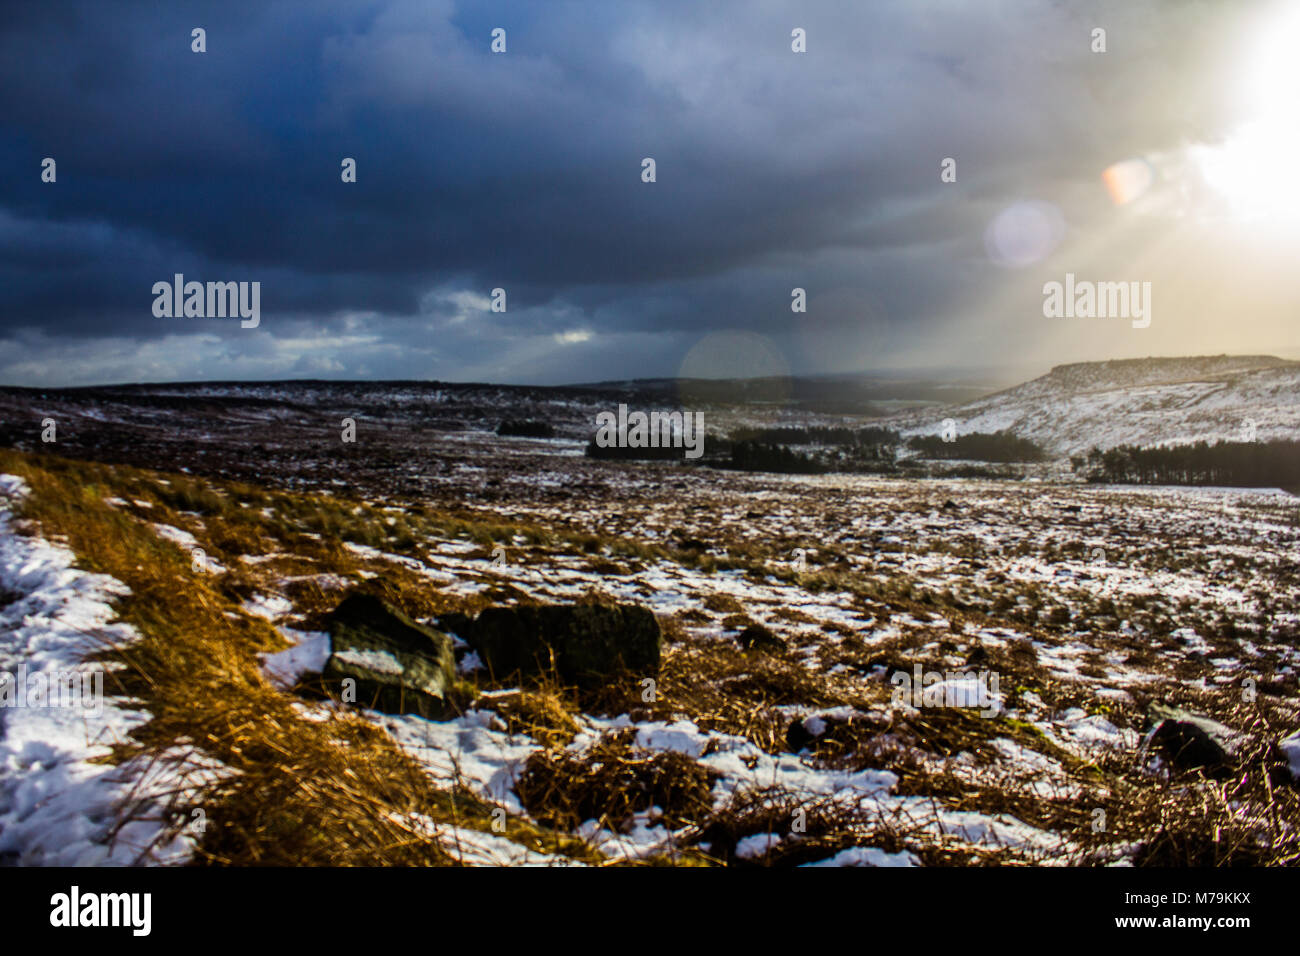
x,y
1126,181
1024,233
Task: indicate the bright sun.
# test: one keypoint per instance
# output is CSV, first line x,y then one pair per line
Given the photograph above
x,y
1252,169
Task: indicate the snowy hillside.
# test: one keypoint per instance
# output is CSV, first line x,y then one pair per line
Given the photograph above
x,y
1135,401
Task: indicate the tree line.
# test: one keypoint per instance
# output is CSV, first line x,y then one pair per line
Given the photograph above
x,y
817,435
1000,446
1259,464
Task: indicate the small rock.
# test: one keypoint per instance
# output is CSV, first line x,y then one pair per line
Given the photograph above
x,y
1193,741
758,638
892,665
829,731
1290,748
798,736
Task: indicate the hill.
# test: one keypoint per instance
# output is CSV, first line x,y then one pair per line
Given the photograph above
x,y
1152,401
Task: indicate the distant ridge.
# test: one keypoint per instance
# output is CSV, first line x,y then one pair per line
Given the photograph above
x,y
1069,410
1150,401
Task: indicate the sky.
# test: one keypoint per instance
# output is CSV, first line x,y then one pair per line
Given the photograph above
x,y
522,170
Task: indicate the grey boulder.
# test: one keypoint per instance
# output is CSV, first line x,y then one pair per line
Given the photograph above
x,y
399,666
586,644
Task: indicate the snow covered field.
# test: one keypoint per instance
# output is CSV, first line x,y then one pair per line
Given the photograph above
x,y
1111,597
1066,612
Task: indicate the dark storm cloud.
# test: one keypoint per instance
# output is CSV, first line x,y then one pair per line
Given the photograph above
x,y
523,170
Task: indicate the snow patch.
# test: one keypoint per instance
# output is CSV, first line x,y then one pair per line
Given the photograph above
x,y
56,807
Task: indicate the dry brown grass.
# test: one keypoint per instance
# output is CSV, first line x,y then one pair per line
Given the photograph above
x,y
302,792
816,827
543,713
611,781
